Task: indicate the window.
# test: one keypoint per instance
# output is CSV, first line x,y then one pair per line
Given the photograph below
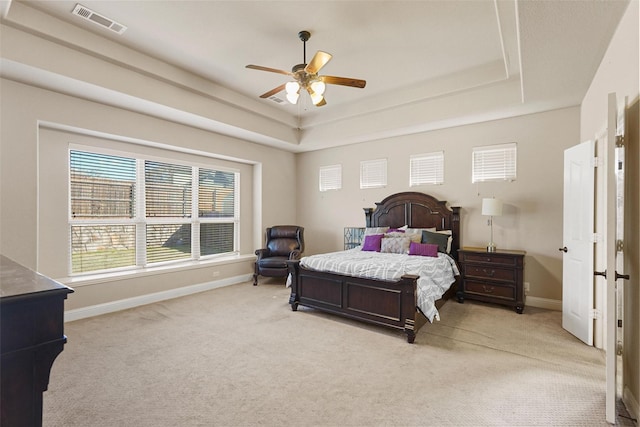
x,y
373,173
426,168
494,163
330,177
131,212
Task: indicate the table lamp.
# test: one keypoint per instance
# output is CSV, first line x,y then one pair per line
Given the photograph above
x,y
491,208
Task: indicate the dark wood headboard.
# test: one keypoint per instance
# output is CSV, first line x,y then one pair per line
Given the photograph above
x,y
416,210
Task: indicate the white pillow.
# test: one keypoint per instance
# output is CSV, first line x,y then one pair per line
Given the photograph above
x,y
375,230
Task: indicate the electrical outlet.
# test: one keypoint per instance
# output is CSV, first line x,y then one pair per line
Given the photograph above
x,y
216,273
526,288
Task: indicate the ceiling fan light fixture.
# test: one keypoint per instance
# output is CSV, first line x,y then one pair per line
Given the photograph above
x,y
293,97
292,87
293,92
318,87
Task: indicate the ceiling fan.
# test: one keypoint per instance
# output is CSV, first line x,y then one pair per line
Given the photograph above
x,y
305,76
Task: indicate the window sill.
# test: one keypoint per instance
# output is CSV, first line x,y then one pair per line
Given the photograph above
x,y
94,279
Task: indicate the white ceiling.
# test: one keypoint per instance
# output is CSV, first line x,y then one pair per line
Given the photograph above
x,y
428,64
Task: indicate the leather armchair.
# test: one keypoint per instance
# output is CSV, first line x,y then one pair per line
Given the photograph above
x,y
283,243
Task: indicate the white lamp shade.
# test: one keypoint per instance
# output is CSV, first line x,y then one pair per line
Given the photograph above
x,y
318,87
293,97
292,87
492,207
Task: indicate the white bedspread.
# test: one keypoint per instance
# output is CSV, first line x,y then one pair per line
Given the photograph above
x,y
436,274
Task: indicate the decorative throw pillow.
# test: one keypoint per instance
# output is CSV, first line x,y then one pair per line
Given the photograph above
x,y
448,233
375,230
372,242
439,239
423,249
395,245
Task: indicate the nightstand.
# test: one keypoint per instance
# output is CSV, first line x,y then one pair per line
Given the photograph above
x,y
494,277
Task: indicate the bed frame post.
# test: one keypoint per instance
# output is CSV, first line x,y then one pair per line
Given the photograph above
x,y
408,284
294,270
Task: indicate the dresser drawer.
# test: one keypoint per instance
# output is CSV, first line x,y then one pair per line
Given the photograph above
x,y
492,290
490,272
489,258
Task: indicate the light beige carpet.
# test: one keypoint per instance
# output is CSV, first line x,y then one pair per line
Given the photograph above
x,y
238,356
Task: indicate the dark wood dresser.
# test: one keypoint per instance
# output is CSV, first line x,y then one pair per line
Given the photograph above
x,y
495,277
31,337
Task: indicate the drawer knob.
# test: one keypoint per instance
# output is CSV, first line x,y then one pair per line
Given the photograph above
x,y
487,289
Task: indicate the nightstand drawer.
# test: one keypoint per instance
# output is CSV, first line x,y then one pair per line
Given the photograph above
x,y
489,258
490,289
490,272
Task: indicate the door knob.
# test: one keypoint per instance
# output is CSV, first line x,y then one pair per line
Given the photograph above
x,y
600,273
564,249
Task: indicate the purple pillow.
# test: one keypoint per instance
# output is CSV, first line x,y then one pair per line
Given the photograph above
x,y
423,249
372,242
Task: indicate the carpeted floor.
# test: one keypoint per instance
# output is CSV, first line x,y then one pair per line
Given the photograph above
x,y
238,356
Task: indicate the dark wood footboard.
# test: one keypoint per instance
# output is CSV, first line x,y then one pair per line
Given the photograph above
x,y
386,303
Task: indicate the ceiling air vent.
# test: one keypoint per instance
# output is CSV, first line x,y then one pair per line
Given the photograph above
x,y
98,19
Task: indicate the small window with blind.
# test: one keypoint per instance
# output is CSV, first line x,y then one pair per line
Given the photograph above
x,y
373,173
330,178
133,212
494,163
426,168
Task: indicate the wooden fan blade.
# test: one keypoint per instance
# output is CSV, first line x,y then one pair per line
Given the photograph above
x,y
271,70
318,61
344,81
273,91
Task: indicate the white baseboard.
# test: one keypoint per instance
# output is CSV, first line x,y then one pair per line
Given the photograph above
x,y
549,304
110,307
631,403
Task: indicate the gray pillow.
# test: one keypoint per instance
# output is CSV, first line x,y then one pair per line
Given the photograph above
x,y
436,239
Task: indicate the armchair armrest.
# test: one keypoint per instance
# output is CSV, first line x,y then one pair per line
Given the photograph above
x,y
262,253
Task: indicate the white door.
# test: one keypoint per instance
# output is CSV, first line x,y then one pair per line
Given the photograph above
x,y
577,236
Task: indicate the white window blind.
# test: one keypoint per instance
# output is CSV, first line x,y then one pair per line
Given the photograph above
x,y
426,168
216,194
102,210
330,177
373,173
494,163
167,189
102,186
217,210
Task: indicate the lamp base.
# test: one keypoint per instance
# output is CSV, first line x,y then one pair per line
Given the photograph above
x,y
491,247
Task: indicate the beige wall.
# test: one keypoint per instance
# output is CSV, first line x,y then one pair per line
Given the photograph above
x,y
532,218
33,194
619,73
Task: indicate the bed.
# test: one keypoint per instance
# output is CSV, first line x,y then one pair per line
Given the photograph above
x,y
389,303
